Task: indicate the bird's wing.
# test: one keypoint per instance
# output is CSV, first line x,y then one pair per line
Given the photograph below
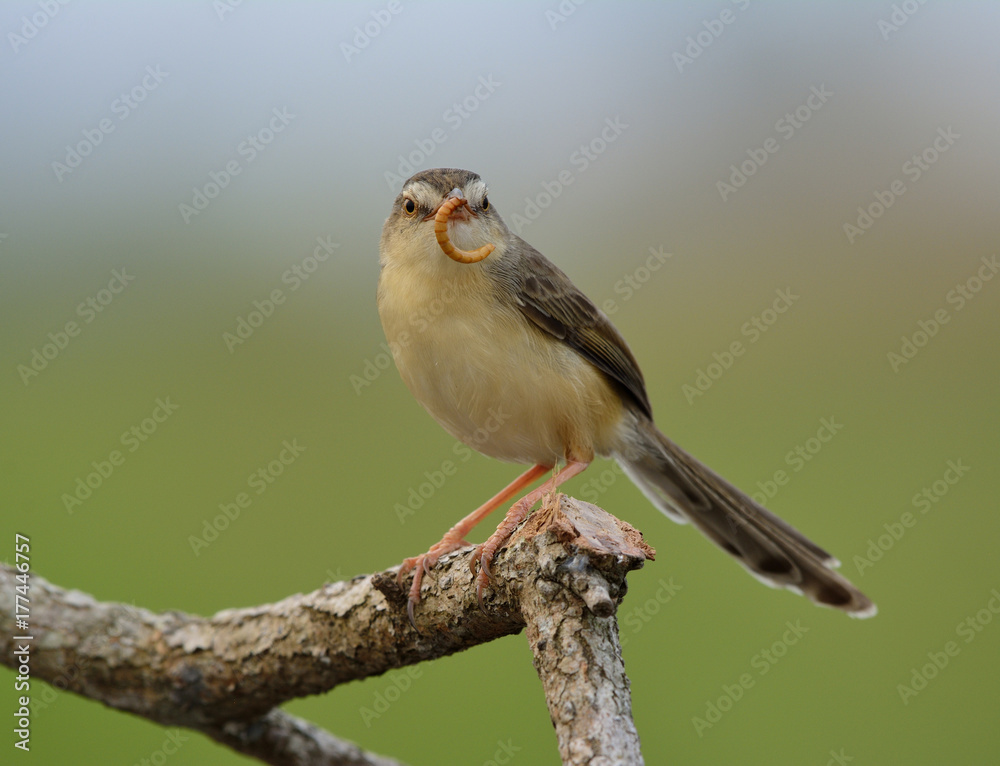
x,y
549,299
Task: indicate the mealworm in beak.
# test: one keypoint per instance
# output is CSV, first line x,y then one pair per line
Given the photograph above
x,y
441,232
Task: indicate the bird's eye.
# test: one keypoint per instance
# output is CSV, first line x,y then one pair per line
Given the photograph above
x,y
486,203
409,206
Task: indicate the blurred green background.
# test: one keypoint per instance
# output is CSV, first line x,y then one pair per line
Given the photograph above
x,y
513,92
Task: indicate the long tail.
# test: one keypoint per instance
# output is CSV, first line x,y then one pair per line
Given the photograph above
x,y
771,550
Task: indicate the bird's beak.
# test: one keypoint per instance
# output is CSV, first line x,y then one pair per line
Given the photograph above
x,y
461,213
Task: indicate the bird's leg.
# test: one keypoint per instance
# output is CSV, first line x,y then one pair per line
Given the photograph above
x,y
484,553
454,538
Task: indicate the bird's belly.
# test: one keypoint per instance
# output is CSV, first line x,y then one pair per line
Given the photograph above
x,y
505,388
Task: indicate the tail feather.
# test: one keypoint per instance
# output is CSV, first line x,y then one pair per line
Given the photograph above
x,y
769,548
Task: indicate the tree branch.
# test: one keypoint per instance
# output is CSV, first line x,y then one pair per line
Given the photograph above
x,y
284,740
563,574
577,653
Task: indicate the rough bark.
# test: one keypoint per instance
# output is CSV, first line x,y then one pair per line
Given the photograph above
x,y
563,574
576,649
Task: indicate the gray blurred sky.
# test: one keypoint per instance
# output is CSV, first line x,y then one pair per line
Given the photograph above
x,y
353,118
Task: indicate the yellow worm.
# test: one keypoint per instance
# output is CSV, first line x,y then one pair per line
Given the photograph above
x,y
441,232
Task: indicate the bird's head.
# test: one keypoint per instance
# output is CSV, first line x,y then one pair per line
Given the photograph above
x,y
409,231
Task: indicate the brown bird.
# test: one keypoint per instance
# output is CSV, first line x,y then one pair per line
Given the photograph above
x,y
513,360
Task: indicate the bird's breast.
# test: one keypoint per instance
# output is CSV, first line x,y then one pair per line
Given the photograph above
x,y
489,376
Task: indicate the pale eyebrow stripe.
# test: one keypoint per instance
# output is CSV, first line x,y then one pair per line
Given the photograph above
x,y
422,191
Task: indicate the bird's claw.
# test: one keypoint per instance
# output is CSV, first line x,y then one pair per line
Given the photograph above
x,y
483,576
482,581
410,603
421,565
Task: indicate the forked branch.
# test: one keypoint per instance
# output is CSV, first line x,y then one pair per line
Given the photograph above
x,y
563,575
